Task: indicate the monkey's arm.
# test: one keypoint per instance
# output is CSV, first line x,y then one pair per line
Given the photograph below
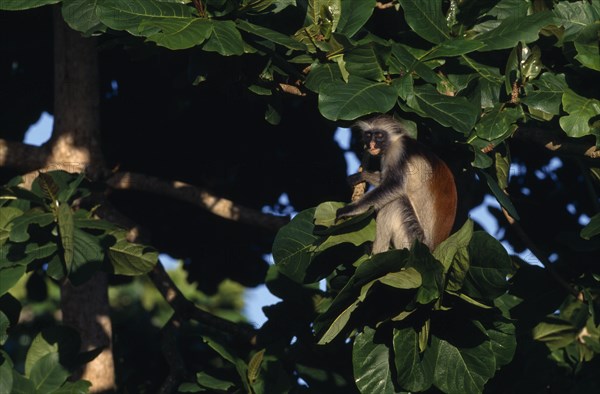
x,y
374,178
377,198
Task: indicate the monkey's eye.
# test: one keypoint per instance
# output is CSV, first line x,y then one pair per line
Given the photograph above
x,y
379,136
367,136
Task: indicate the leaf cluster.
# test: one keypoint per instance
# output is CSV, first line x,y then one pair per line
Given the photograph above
x,y
415,318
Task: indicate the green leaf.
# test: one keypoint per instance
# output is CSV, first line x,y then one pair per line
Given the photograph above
x,y
225,39
10,276
453,47
425,18
592,229
348,101
587,51
502,198
515,29
575,17
363,62
20,225
403,61
498,123
408,278
321,73
18,5
7,214
580,110
338,324
81,15
4,325
21,385
47,374
460,370
556,333
431,272
412,373
271,35
502,164
210,382
129,14
370,361
61,340
490,265
129,258
178,33
6,366
79,387
88,255
66,228
355,13
545,93
447,251
455,112
503,339
294,244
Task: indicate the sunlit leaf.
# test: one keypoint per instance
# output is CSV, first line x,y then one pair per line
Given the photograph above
x,y
371,363
17,5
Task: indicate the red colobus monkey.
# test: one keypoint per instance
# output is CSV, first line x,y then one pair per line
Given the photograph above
x,y
414,194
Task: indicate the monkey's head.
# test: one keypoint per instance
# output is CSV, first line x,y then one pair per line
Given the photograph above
x,y
378,133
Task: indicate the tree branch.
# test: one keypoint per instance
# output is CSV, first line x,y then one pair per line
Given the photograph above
x,y
538,253
558,142
219,206
22,157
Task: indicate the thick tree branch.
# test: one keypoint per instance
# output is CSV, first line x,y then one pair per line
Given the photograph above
x,y
558,142
21,157
219,206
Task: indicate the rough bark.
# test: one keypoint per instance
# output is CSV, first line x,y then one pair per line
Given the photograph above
x,y
75,147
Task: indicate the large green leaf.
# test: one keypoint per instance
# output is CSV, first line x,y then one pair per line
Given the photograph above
x,y
575,17
129,14
10,276
47,374
453,47
81,15
460,370
403,61
17,5
363,62
270,35
322,73
20,225
79,387
499,123
592,228
7,214
455,112
225,39
348,101
515,29
371,364
503,340
555,332
6,365
425,18
88,255
129,258
178,33
545,93
294,244
355,13
21,385
447,250
412,373
580,110
57,339
431,271
66,228
490,265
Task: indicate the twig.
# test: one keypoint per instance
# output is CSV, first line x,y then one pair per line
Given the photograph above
x,y
538,253
186,309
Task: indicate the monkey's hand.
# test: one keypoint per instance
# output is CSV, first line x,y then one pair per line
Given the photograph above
x,y
374,178
344,212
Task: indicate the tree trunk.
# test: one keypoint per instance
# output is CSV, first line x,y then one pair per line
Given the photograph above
x,y
75,147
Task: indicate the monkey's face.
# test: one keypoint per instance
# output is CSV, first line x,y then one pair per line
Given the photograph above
x,y
375,141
